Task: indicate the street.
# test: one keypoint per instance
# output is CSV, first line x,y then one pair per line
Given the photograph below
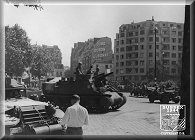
x,y
136,117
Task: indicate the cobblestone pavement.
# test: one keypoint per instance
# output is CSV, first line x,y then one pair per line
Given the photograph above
x,y
136,117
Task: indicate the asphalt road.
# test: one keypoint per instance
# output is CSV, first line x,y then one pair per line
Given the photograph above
x,y
136,117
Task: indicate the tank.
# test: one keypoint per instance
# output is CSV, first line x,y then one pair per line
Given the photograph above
x,y
96,95
24,116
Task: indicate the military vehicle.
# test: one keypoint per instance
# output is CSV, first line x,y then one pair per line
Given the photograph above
x,y
24,116
164,95
96,95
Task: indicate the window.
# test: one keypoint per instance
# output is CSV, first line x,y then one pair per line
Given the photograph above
x,y
122,64
136,47
166,62
121,71
106,66
141,70
166,39
180,40
157,39
136,40
179,26
150,39
150,54
122,42
173,47
136,63
117,50
128,48
117,64
151,31
142,32
122,49
166,55
128,55
129,34
174,40
128,70
165,32
142,39
157,54
166,47
150,62
150,47
129,41
173,33
179,33
122,56
128,63
180,48
173,62
122,35
117,42
173,55
141,62
117,71
142,47
180,55
141,55
117,57
157,47
173,70
164,25
136,33
136,70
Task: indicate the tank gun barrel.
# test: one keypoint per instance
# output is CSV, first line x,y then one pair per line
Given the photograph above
x,y
102,75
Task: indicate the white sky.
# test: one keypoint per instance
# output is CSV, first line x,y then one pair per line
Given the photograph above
x,y
64,25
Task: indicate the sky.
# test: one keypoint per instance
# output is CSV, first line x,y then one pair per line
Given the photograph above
x,y
64,25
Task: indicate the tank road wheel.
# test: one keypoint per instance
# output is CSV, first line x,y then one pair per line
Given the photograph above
x,y
120,102
165,99
105,104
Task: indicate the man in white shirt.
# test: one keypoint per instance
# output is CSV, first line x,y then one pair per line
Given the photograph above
x,y
75,117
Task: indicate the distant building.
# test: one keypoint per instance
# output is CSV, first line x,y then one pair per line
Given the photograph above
x,y
134,49
90,52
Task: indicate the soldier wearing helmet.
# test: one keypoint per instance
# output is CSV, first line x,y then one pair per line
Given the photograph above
x,y
79,73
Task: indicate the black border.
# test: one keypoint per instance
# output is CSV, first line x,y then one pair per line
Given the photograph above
x,y
2,71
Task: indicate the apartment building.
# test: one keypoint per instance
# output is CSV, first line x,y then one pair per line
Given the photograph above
x,y
92,51
134,50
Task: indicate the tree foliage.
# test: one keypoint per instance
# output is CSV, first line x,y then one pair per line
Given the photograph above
x,y
18,52
39,63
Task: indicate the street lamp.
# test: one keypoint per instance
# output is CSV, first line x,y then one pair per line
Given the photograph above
x,y
155,29
163,65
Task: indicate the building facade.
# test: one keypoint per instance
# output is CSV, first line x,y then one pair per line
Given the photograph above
x,y
90,52
134,50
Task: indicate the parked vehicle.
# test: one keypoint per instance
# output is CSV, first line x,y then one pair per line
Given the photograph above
x,y
24,116
164,96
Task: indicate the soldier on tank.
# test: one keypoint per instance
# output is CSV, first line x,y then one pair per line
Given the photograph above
x,y
79,73
97,71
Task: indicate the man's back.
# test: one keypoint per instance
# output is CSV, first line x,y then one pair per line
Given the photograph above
x,y
77,116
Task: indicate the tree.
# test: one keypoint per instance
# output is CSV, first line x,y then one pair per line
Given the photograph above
x,y
39,62
18,52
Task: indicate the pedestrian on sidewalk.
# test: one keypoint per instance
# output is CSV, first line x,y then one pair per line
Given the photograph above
x,y
75,117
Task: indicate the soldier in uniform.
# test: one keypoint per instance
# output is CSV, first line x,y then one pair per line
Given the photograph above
x,y
97,71
79,73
